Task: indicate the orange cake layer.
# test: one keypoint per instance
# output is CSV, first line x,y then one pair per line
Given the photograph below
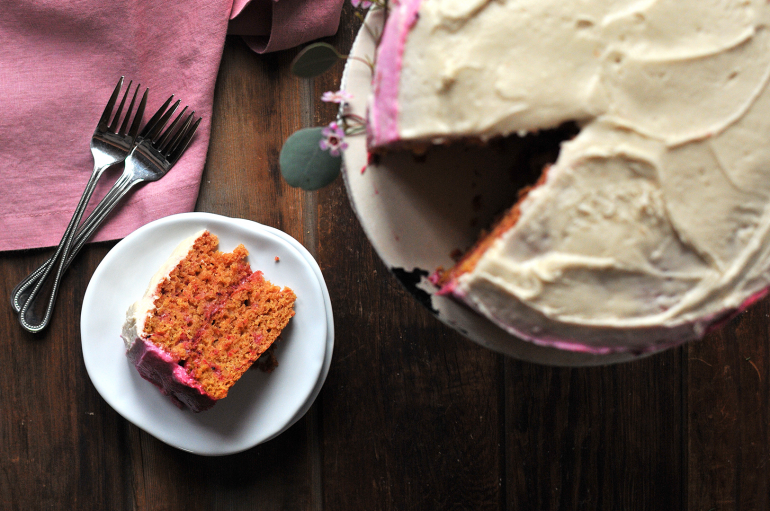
x,y
203,278
238,332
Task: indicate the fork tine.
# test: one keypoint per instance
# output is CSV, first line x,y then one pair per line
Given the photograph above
x,y
161,143
171,144
138,117
113,127
124,125
182,142
105,119
155,118
155,131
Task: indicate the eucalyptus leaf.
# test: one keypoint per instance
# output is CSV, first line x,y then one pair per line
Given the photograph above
x,y
315,59
304,164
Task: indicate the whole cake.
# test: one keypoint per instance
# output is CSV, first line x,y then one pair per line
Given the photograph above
x,y
653,224
203,321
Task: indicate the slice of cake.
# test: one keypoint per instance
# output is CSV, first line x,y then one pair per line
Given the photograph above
x,y
203,321
653,224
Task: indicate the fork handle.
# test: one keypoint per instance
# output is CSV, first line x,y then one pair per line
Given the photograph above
x,y
65,257
101,212
21,292
63,248
17,298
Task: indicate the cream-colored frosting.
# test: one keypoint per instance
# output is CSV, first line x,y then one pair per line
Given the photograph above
x,y
138,311
655,216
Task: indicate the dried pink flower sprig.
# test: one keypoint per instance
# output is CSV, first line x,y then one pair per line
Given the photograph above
x,y
334,139
348,124
352,124
339,97
366,4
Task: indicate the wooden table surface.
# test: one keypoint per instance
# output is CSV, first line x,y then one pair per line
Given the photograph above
x,y
412,415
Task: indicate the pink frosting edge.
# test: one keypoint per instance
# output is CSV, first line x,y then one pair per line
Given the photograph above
x,y
711,324
159,368
384,108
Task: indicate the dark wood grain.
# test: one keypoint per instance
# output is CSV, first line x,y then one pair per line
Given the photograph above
x,y
412,416
727,415
597,438
61,446
411,411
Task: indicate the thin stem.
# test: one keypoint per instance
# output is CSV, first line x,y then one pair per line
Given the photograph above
x,y
366,61
356,118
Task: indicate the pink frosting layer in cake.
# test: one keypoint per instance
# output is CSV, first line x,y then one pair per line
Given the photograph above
x,y
159,368
383,111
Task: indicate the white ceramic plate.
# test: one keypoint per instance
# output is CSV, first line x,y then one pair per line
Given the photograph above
x,y
418,211
261,405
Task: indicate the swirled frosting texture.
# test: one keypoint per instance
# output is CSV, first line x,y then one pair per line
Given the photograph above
x,y
653,223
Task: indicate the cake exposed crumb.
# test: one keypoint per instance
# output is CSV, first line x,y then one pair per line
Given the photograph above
x,y
238,332
267,362
186,298
486,238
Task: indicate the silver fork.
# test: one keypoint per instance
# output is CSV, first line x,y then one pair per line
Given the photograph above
x,y
110,145
165,146
120,151
151,160
156,152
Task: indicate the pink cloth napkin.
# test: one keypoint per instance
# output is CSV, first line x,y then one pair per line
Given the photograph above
x,y
60,60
